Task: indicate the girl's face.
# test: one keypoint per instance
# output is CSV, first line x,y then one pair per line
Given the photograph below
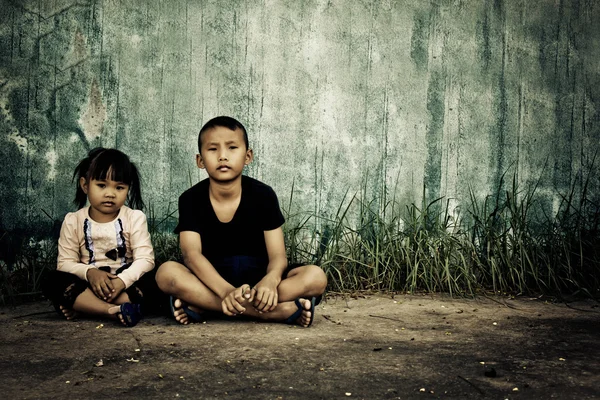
x,y
106,197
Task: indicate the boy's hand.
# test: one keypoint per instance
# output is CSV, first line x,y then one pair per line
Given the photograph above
x,y
118,287
232,303
264,294
100,282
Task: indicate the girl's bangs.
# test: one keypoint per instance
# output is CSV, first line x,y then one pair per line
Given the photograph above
x,y
111,165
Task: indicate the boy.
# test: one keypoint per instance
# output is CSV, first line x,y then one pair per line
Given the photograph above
x,y
232,242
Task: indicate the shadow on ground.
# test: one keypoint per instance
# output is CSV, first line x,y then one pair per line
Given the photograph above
x,y
377,347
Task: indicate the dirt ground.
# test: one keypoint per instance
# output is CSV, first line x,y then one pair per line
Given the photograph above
x,y
371,347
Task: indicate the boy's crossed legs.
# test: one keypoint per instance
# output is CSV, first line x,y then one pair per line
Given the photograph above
x,y
301,283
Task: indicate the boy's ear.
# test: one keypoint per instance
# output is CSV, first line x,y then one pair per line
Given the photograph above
x,y
199,161
83,185
249,156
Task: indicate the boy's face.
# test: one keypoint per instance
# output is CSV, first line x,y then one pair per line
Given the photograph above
x,y
223,153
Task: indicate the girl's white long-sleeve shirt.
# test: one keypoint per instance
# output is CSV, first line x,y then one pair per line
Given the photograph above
x,y
85,243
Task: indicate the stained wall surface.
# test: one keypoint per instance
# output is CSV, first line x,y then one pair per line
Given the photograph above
x,y
337,96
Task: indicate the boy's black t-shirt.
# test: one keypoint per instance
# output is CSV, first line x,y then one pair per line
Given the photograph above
x,y
244,235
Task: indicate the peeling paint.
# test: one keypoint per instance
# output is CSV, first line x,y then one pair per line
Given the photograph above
x,y
20,141
136,40
52,158
92,120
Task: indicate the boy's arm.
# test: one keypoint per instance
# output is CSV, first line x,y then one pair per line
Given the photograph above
x,y
191,248
265,291
276,252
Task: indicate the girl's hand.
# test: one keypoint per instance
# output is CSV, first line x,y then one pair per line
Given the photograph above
x,y
232,303
100,282
118,288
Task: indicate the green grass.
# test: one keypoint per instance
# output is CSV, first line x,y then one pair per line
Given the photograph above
x,y
508,242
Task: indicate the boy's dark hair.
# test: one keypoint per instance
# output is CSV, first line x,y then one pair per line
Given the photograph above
x,y
226,122
97,165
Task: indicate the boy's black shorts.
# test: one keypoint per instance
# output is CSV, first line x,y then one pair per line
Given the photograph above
x,y
240,270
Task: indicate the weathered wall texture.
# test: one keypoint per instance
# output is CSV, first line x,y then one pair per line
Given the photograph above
x,y
446,94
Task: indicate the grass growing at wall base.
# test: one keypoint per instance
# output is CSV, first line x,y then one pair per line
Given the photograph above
x,y
506,242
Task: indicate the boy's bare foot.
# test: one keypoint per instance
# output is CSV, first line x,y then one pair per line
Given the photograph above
x,y
180,314
69,313
305,317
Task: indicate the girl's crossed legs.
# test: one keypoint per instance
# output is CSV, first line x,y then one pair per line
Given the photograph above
x,y
70,296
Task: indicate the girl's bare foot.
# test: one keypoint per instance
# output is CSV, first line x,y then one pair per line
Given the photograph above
x,y
69,313
116,310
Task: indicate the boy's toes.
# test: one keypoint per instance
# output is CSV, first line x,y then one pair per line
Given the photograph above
x,y
179,313
181,317
304,319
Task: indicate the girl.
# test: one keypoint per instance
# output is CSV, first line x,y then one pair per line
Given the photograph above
x,y
104,249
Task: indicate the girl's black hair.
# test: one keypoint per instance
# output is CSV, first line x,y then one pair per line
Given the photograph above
x,y
98,164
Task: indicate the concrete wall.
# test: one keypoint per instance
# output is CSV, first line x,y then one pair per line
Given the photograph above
x,y
397,94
